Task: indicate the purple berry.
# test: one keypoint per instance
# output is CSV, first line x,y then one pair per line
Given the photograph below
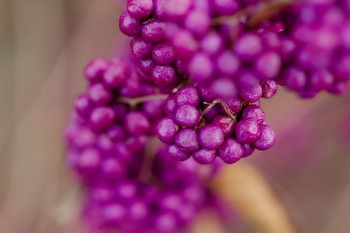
x,y
187,140
247,131
102,118
166,130
164,77
116,75
140,9
99,95
187,95
253,113
140,48
231,151
136,123
175,153
204,156
153,31
187,115
201,68
211,137
163,54
267,138
226,124
95,69
269,88
129,25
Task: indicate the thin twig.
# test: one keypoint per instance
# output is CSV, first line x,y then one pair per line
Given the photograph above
x,y
135,101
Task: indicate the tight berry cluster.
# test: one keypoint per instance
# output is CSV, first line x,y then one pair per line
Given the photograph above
x,y
221,53
204,131
198,71
319,35
129,187
155,57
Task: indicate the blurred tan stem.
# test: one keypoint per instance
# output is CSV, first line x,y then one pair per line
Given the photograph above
x,y
207,222
250,194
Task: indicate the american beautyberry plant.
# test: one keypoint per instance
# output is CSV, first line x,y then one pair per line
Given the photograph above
x,y
150,131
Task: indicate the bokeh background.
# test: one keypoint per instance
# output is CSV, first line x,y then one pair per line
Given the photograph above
x,y
301,185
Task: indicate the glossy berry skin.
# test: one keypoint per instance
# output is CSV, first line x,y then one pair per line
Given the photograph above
x,y
254,113
187,115
204,156
247,131
211,137
231,151
129,25
187,95
187,140
226,124
153,31
175,153
166,130
269,88
140,9
267,138
164,77
140,48
163,54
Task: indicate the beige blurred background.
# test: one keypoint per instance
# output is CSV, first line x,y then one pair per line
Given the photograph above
x,y
44,45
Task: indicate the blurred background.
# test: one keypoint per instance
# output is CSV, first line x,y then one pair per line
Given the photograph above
x,y
44,45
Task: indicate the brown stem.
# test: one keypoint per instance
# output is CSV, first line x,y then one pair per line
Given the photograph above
x,y
135,101
248,191
267,11
210,106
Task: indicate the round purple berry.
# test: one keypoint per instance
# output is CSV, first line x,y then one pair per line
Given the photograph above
x,y
226,124
175,153
140,48
254,113
102,118
187,95
136,123
231,151
129,25
269,88
164,77
95,69
140,9
204,156
166,130
163,54
187,140
187,115
99,95
247,131
211,137
153,31
267,138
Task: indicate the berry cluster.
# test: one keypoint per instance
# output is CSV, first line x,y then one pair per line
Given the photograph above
x,y
319,33
109,147
155,57
221,53
201,69
193,127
